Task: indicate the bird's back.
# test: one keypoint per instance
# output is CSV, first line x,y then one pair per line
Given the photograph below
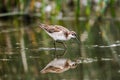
x,y
53,28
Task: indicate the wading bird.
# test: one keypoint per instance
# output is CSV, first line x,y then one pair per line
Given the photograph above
x,y
58,33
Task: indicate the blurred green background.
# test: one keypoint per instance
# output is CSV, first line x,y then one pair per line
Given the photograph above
x,y
25,49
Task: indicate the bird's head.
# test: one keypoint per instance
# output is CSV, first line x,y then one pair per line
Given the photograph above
x,y
72,34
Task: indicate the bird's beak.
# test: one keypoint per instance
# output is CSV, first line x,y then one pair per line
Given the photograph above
x,y
77,39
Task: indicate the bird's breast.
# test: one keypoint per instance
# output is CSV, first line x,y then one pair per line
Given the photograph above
x,y
59,36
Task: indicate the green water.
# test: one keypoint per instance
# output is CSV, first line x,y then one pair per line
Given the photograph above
x,y
25,50
28,53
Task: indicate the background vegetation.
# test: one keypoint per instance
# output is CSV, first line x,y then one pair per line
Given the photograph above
x,y
97,23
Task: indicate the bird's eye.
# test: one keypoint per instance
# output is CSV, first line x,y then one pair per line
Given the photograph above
x,y
73,34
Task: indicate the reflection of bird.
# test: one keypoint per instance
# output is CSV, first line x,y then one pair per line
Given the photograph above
x,y
59,66
58,33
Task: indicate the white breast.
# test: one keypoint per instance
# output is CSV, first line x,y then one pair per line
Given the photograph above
x,y
58,35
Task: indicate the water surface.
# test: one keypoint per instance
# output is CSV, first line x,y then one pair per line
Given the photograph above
x,y
25,50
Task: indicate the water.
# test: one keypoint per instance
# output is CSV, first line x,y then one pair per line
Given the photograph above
x,y
25,50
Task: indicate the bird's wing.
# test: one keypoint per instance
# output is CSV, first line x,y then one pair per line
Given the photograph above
x,y
53,28
49,28
62,28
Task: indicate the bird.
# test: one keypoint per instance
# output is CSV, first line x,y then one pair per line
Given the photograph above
x,y
58,33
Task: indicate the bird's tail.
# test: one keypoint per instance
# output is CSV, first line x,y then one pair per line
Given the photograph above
x,y
43,26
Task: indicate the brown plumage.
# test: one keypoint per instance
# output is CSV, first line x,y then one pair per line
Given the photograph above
x,y
53,28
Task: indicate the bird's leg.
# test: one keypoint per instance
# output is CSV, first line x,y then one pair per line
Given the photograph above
x,y
60,55
62,43
55,45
